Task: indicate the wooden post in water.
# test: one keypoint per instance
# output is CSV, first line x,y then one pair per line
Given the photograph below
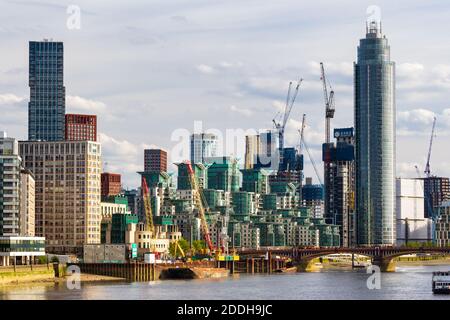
x,y
253,265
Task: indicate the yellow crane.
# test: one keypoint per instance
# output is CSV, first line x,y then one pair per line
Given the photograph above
x,y
201,209
148,211
178,247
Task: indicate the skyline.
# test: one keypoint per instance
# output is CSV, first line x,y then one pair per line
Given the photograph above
x,y
244,86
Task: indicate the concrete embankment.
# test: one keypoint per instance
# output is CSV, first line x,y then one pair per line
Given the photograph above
x,y
26,274
43,274
193,273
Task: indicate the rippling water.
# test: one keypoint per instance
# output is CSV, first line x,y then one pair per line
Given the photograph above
x,y
406,283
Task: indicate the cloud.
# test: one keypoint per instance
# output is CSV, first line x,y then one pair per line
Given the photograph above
x,y
229,65
9,98
244,111
79,104
124,157
418,122
205,69
331,69
412,70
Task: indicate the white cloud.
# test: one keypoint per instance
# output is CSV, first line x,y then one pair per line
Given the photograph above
x,y
331,69
124,157
79,104
415,117
9,98
244,111
205,69
410,70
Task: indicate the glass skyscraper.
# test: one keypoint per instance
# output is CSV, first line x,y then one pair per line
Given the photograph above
x,y
374,76
47,106
203,146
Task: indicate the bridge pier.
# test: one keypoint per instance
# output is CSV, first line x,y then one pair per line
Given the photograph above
x,y
385,264
306,265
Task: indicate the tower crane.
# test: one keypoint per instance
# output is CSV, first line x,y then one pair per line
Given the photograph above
x,y
302,131
329,103
427,166
148,208
302,140
199,200
280,126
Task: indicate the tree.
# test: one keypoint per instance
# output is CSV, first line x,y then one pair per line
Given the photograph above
x,y
42,260
182,243
198,245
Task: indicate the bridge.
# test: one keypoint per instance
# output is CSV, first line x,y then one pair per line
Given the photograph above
x,y
384,257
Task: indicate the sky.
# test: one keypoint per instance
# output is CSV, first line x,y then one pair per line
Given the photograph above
x,y
151,69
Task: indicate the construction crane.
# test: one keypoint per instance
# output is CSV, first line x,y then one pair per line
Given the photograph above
x,y
427,166
302,141
148,208
199,200
178,248
302,131
329,103
428,201
280,126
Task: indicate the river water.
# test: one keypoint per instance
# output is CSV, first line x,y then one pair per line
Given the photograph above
x,y
412,283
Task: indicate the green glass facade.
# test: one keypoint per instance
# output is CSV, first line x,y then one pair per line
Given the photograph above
x,y
374,76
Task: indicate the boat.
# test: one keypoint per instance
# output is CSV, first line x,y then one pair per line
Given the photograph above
x,y
441,282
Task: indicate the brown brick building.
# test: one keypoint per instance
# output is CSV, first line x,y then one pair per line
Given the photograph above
x,y
155,160
81,127
111,184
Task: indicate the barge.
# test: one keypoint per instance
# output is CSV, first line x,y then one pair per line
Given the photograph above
x,y
441,282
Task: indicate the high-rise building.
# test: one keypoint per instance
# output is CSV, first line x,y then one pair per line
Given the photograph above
x,y
27,205
203,146
269,155
10,166
412,226
374,76
252,149
47,106
313,198
340,184
110,184
67,182
437,191
155,160
261,151
81,127
442,230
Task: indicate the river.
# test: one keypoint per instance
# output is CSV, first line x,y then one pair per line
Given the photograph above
x,y
412,283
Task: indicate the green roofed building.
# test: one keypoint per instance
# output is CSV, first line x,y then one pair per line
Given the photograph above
x,y
120,224
255,180
223,174
200,171
157,179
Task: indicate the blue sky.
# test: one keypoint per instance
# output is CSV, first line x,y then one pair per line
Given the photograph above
x,y
148,68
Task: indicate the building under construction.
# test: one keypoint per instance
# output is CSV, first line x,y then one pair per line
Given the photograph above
x,y
339,179
437,191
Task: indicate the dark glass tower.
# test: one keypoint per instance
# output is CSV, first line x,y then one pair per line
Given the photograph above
x,y
47,106
375,139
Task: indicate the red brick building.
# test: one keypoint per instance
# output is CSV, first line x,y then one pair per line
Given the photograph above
x,y
81,127
155,160
111,184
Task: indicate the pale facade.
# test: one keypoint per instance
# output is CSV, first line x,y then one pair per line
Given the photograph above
x,y
27,205
67,178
